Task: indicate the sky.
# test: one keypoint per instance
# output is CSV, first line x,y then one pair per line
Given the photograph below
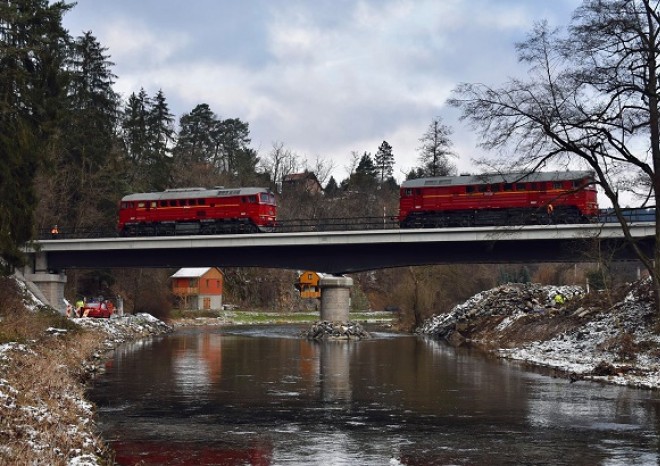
x,y
325,78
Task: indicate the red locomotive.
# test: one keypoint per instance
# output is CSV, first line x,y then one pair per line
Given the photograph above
x,y
191,211
498,199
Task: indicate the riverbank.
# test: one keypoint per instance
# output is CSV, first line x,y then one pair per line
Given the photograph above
x,y
581,338
44,417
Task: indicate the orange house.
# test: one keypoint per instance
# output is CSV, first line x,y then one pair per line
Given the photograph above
x,y
308,284
198,288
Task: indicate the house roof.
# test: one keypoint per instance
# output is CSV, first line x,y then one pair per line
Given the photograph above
x,y
191,272
300,176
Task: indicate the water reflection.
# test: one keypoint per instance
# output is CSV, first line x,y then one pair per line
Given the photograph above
x,y
262,396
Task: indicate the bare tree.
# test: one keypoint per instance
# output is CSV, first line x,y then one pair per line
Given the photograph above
x,y
321,167
591,100
280,162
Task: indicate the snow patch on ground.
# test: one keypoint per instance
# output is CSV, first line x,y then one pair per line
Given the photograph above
x,y
81,424
619,345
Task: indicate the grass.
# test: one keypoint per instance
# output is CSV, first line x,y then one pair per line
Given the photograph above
x,y
43,418
242,317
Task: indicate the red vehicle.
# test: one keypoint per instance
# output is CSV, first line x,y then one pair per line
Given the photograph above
x,y
101,308
498,199
191,211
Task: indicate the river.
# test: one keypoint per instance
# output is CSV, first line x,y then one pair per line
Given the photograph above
x,y
262,396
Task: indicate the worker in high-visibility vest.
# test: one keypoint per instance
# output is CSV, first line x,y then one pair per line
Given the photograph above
x,y
80,305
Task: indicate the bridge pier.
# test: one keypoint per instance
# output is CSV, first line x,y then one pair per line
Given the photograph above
x,y
335,306
50,284
335,298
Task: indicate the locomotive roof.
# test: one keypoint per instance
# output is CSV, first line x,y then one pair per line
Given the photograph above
x,y
491,178
193,193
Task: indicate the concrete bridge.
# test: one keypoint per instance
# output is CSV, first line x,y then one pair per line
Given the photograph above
x,y
336,252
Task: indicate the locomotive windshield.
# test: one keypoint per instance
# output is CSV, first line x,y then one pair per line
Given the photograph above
x,y
267,198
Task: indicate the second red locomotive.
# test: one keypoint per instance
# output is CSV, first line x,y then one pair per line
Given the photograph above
x,y
191,211
498,199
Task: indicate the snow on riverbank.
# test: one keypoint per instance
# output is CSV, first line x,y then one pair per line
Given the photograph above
x,y
44,417
619,345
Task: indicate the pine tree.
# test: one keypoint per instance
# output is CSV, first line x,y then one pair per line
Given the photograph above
x,y
231,138
384,161
32,51
147,132
331,188
89,169
135,129
195,143
435,149
366,166
161,136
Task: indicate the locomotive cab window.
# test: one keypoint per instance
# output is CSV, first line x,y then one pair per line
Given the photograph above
x,y
140,205
520,186
556,185
408,192
469,189
172,203
508,187
153,204
163,203
252,199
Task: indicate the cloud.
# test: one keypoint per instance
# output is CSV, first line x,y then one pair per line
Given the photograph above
x,y
325,77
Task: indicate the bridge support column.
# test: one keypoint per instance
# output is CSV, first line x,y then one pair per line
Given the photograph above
x,y
51,286
335,298
335,304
